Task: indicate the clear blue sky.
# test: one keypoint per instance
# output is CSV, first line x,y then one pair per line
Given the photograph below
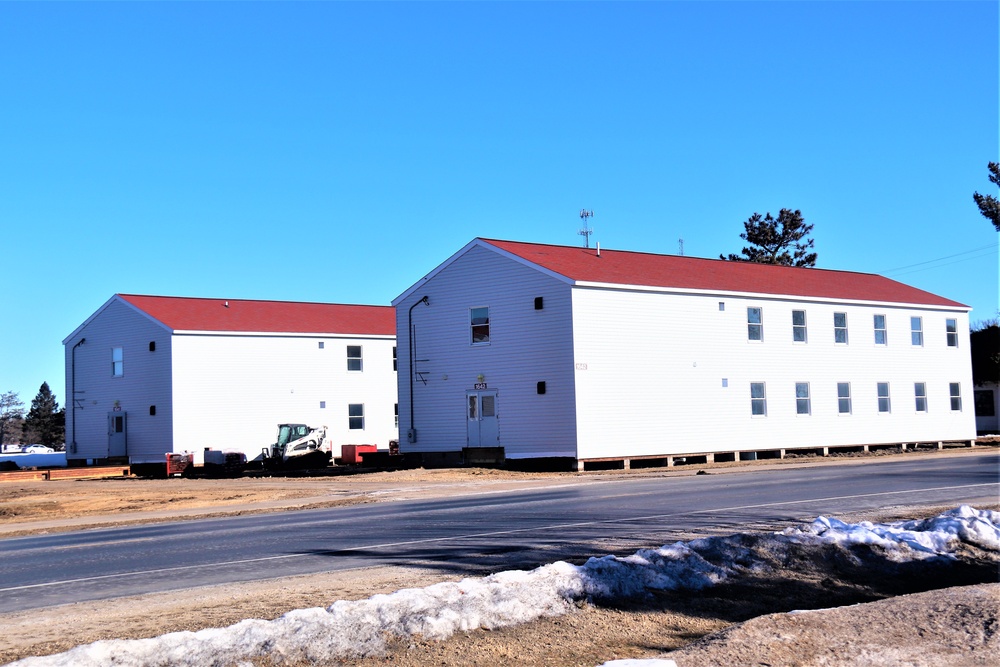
x,y
338,152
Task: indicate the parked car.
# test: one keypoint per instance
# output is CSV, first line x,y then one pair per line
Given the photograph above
x,y
37,449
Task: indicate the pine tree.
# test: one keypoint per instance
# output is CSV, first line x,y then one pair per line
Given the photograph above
x,y
988,204
776,241
45,423
11,412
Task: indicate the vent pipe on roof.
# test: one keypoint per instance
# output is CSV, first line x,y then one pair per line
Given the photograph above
x,y
226,304
598,248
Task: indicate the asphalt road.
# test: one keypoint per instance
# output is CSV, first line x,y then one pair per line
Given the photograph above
x,y
472,534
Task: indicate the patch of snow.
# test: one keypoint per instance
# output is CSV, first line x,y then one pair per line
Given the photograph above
x,y
349,629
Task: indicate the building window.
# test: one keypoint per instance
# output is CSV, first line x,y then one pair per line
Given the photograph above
x,y
152,411
758,399
951,327
755,324
722,306
920,394
955,391
321,345
395,410
356,416
799,326
883,397
395,361
479,319
880,335
984,403
322,405
844,398
803,405
354,357
917,331
840,328
117,362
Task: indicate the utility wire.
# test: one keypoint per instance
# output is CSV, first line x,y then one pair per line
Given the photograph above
x,y
931,261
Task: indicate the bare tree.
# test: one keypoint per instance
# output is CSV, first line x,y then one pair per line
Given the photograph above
x,y
11,413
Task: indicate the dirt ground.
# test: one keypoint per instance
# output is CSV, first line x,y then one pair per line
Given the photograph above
x,y
890,624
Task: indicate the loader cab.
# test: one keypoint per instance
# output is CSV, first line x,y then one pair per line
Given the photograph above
x,y
290,432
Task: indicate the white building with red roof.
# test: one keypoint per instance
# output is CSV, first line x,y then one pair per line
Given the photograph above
x,y
598,356
151,375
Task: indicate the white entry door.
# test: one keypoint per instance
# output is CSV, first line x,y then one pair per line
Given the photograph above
x,y
481,413
117,434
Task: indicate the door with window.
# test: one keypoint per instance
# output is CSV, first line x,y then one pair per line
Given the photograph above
x,y
481,417
117,434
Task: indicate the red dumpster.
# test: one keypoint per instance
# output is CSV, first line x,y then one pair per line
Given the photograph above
x,y
177,464
351,454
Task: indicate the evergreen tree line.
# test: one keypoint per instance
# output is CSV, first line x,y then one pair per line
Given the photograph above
x,y
43,424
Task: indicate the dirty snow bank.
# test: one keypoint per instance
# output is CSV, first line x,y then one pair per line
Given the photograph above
x,y
356,628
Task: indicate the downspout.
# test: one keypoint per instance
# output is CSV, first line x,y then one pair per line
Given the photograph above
x,y
73,389
411,433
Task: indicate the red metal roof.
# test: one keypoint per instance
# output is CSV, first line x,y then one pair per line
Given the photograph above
x,y
673,271
192,314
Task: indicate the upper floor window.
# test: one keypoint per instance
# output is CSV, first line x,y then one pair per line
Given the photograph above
x,y
117,362
955,391
883,397
920,395
803,404
840,328
354,357
844,398
951,328
880,334
799,326
755,324
917,330
395,361
479,319
758,399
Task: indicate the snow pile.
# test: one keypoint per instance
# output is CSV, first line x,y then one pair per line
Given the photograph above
x,y
909,540
357,628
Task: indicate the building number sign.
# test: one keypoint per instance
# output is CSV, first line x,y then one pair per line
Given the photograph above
x,y
480,385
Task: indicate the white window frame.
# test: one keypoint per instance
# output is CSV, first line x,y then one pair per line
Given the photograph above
x,y
797,328
356,416
844,406
887,398
920,396
117,361
840,329
473,326
358,360
880,330
951,331
803,399
755,327
758,404
955,393
917,331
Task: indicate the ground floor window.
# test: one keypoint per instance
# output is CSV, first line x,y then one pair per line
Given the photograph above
x,y
883,397
985,407
356,416
844,398
920,394
758,399
802,401
955,391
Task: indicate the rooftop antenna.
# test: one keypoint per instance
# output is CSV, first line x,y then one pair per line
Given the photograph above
x,y
586,231
680,247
